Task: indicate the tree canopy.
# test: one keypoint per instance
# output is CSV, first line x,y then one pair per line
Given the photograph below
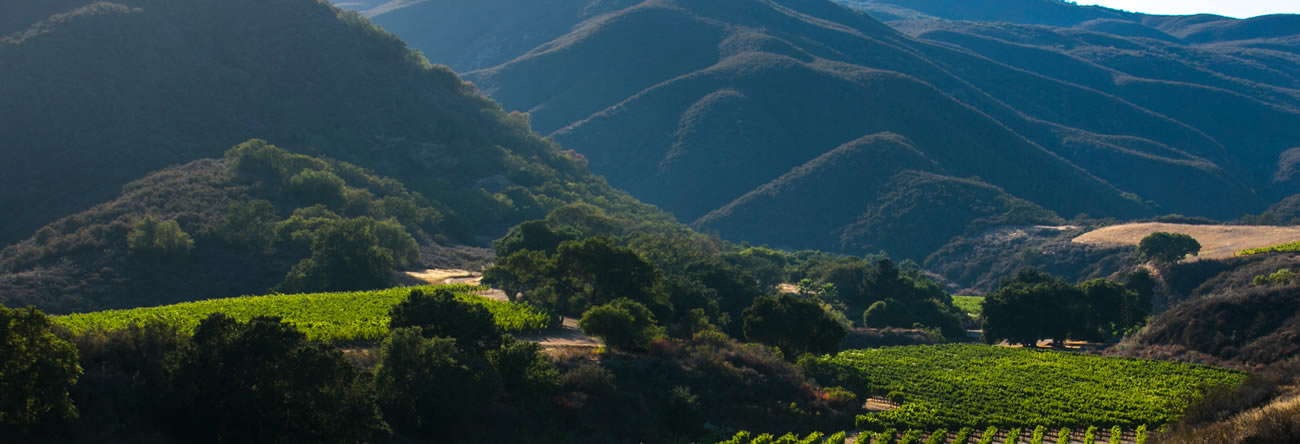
x,y
36,371
793,324
1167,247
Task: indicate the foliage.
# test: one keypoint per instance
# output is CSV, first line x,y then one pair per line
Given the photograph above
x,y
428,387
149,237
939,436
1090,435
789,438
534,235
1032,305
328,317
1167,247
1063,436
317,187
442,314
963,435
972,305
521,272
597,271
1280,277
261,381
990,433
249,225
957,385
794,325
523,369
351,254
36,370
905,296
623,324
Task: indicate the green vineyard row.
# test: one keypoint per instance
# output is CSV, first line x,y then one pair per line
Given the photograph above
x,y
327,317
993,435
956,385
789,438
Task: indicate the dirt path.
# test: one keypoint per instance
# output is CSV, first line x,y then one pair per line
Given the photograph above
x,y
438,276
567,335
1217,241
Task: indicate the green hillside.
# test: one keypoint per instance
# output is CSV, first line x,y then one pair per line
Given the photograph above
x,y
109,92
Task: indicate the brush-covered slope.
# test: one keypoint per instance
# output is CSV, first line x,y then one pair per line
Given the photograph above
x,y
93,96
703,121
261,219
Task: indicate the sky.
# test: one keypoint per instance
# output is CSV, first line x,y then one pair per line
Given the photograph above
x,y
1230,8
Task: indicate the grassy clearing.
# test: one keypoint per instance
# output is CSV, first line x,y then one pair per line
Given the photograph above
x,y
328,317
1217,241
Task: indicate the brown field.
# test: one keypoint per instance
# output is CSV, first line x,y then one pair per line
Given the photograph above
x,y
1217,241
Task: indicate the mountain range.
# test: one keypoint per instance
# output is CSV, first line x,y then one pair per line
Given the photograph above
x,y
813,124
116,111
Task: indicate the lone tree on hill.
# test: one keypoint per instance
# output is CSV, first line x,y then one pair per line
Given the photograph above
x,y
1167,247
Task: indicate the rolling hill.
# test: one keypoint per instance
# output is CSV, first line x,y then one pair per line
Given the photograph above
x,y
800,123
115,111
96,95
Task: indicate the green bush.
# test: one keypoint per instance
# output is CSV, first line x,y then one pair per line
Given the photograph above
x,y
623,324
249,225
150,237
318,187
36,371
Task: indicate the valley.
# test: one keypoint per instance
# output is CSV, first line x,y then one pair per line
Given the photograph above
x,y
647,221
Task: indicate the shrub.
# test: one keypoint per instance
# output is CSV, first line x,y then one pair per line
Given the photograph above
x,y
36,371
262,381
623,324
249,225
318,187
151,237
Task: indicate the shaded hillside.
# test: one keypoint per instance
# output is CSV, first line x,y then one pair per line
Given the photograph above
x,y
467,36
252,227
1228,317
97,96
708,120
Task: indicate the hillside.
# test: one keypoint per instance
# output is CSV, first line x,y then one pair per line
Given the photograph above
x,y
1217,241
96,95
758,110
115,112
254,222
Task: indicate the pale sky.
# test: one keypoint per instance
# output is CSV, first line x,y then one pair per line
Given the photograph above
x,y
1230,8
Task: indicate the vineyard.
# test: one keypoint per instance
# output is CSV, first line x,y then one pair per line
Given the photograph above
x,y
972,305
328,317
789,438
994,435
960,385
1291,247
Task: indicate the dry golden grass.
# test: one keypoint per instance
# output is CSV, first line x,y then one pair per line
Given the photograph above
x,y
1217,241
1278,422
